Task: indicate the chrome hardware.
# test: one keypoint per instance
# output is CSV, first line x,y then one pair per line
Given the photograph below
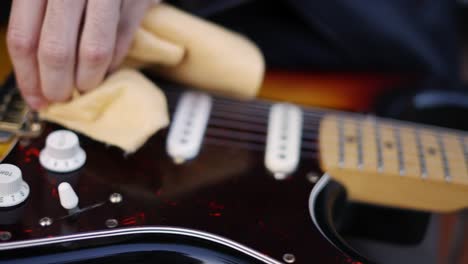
x,y
5,236
289,258
312,177
46,221
16,119
115,198
112,223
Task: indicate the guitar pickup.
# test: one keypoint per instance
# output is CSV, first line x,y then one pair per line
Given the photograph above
x,y
188,126
283,146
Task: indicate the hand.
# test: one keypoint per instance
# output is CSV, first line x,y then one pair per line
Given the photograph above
x,y
57,45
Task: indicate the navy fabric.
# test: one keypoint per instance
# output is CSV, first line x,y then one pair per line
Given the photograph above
x,y
416,36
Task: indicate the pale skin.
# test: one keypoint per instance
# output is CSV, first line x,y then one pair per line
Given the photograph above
x,y
59,45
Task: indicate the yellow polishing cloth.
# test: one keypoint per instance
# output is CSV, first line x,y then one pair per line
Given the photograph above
x,y
123,111
198,53
127,108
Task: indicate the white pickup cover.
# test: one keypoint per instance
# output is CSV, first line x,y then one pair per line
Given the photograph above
x,y
283,140
188,126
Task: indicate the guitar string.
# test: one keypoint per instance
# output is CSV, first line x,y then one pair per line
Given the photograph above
x,y
252,146
308,142
260,139
228,107
313,136
316,114
226,123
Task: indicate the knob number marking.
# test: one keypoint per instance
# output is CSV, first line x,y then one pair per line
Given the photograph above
x,y
6,173
13,189
62,152
15,198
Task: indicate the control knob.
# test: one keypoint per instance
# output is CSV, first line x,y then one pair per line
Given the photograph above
x,y
13,189
62,152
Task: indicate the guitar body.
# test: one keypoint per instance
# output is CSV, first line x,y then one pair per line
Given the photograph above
x,y
221,207
224,206
222,196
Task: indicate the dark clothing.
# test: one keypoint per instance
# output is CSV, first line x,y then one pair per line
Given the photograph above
x,y
4,10
417,36
373,35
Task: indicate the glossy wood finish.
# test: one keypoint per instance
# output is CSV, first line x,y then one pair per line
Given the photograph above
x,y
339,90
5,65
224,191
243,203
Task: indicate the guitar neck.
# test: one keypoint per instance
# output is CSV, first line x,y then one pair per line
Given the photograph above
x,y
396,163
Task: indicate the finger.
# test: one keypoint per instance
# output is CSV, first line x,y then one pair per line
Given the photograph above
x,y
130,19
97,42
23,37
57,48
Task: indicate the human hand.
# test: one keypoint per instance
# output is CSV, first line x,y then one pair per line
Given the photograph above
x,y
57,45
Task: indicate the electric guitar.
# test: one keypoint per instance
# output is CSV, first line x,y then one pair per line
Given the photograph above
x,y
229,182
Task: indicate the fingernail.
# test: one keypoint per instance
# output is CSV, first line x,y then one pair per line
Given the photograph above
x,y
36,102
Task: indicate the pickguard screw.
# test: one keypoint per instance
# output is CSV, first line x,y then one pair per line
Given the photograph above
x,y
46,221
112,223
5,236
312,177
25,142
289,258
115,198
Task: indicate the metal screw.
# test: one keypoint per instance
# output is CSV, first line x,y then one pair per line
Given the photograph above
x,y
178,160
312,177
115,198
289,258
5,236
25,142
46,221
112,223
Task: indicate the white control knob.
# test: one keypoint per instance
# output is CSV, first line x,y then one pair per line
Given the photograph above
x,y
13,190
68,198
62,152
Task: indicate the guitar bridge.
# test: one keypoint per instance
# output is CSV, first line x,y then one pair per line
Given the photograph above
x,y
16,119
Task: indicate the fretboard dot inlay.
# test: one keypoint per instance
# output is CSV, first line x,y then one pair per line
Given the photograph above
x,y
374,157
389,145
431,151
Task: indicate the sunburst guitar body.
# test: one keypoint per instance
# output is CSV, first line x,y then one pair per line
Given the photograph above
x,y
298,175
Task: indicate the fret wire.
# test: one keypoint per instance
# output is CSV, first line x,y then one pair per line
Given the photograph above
x,y
401,163
389,123
359,145
465,150
378,142
443,155
422,157
340,141
448,152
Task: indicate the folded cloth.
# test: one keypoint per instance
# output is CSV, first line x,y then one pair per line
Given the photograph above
x,y
127,109
124,111
197,52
